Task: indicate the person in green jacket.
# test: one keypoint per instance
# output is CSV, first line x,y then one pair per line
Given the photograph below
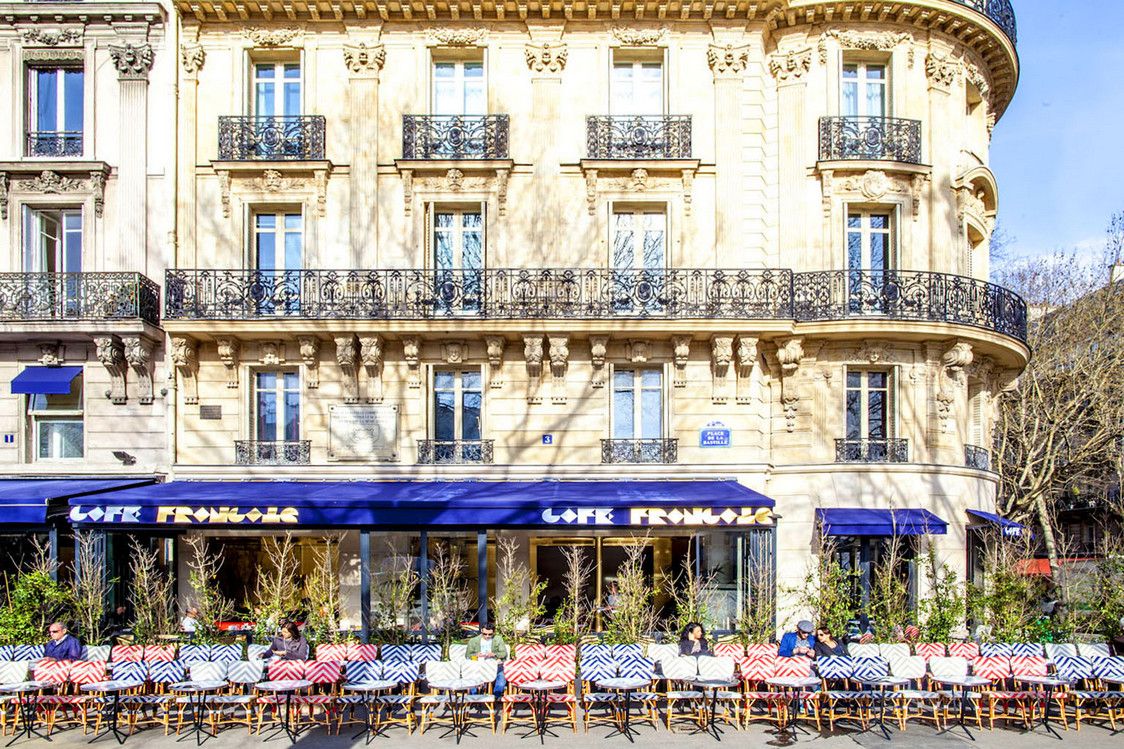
x,y
489,646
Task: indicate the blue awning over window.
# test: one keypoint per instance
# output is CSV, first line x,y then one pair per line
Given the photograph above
x,y
856,521
24,501
44,380
551,504
1006,527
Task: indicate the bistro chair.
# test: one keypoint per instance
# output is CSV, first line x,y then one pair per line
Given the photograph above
x,y
733,650
723,667
838,700
195,653
929,650
127,654
799,668
662,652
557,667
863,650
458,652
916,702
225,653
362,651
31,652
235,705
518,671
1089,699
96,652
966,650
530,650
1000,698
155,653
996,650
1093,650
484,699
1056,650
286,670
325,677
398,709
755,671
256,652
331,652
760,650
679,692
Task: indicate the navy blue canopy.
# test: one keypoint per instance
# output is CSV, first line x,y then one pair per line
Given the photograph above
x,y
420,503
44,380
24,501
856,521
1006,527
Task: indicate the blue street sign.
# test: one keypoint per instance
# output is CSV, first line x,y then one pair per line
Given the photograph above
x,y
548,439
715,434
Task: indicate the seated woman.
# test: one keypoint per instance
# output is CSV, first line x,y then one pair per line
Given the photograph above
x,y
827,645
290,645
693,641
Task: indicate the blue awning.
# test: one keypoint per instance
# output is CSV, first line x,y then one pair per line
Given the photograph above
x,y
559,504
855,521
44,380
24,501
1007,527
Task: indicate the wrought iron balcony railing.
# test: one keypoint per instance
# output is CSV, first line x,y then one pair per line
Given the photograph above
x,y
78,296
593,294
870,139
55,143
455,452
439,136
289,138
640,451
999,11
872,451
977,457
272,453
638,137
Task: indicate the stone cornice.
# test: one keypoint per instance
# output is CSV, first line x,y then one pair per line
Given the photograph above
x,y
83,12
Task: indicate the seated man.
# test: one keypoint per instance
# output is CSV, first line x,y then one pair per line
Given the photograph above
x,y
62,646
798,643
486,646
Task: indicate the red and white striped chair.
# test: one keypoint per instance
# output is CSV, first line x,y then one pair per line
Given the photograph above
x,y
1003,703
530,650
760,702
519,671
332,651
966,650
557,667
52,671
1035,666
733,650
161,653
793,668
929,650
761,650
362,651
273,703
285,670
127,654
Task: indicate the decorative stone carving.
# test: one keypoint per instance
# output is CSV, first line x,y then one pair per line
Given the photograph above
x,y
975,76
790,404
320,182
880,41
680,354
364,60
228,354
956,359
192,57
273,181
639,351
721,355
411,352
138,353
941,70
591,191
224,191
598,350
747,360
407,191
111,353
185,358
631,37
455,181
874,352
133,61
502,176
454,352
52,37
559,358
348,359
532,354
271,353
51,354
309,347
688,190
458,37
790,352
548,57
271,37
54,54
790,66
873,184
727,60
495,344
371,356
916,191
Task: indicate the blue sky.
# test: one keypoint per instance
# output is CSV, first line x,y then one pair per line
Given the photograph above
x,y
1058,152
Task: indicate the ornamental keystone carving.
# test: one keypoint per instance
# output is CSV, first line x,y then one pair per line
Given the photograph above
x,y
185,358
454,352
727,59
347,357
49,182
454,37
874,352
411,352
631,37
229,349
747,359
790,66
271,353
273,181
371,356
494,346
138,353
52,37
721,355
790,352
192,58
364,60
51,354
882,41
956,359
598,349
559,358
111,353
941,70
639,351
271,37
133,61
873,184
548,57
532,354
309,348
680,354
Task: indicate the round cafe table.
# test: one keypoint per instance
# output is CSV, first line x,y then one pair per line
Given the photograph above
x,y
1049,685
23,690
370,691
710,707
626,687
791,688
457,690
195,692
114,688
540,704
286,687
881,684
967,684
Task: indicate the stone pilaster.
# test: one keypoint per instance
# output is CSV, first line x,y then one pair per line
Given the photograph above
x,y
192,58
133,62
728,63
364,64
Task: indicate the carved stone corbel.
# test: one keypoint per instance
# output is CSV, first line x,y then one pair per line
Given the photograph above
x,y
639,351
411,352
495,345
185,358
347,358
138,353
559,358
371,355
789,354
228,354
680,352
310,354
598,349
951,377
747,359
111,353
721,354
532,354
224,190
454,352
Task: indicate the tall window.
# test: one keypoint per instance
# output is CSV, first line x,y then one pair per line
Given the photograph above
x,y
458,258
458,400
277,406
277,89
458,88
637,404
54,111
57,427
636,87
870,261
52,250
865,93
869,405
278,238
639,259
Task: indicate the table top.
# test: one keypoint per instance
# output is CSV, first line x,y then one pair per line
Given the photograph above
x,y
963,681
197,686
24,686
113,685
795,682
715,683
625,684
456,685
1049,681
542,685
883,681
374,685
284,685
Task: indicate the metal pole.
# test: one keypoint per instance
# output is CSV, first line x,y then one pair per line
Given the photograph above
x,y
482,576
423,586
365,584
53,550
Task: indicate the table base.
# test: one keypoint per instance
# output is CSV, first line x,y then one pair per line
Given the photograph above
x,y
112,714
27,721
198,721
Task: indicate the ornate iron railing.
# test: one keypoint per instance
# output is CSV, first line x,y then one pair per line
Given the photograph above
x,y
638,137
977,457
78,296
272,453
454,452
999,11
55,143
872,451
438,136
870,139
289,138
640,451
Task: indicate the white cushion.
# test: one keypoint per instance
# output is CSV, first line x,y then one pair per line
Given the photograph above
x,y
681,668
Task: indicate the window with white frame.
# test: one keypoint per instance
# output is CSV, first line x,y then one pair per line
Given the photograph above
x,y
865,89
52,240
278,242
638,403
57,426
458,87
869,409
55,95
277,89
277,406
637,85
639,238
458,256
870,240
458,407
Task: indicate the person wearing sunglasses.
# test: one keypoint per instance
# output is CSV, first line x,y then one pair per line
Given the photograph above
x,y
61,645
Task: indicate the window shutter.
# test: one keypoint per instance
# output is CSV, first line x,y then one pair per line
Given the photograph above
x,y
891,403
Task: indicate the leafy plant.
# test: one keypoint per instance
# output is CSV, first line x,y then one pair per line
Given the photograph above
x,y
889,603
519,604
277,593
757,618
393,592
689,591
203,577
322,589
449,596
633,617
943,609
574,615
33,601
1008,602
90,587
826,590
150,594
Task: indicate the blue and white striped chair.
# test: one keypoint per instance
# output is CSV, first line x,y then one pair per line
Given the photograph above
x,y
395,653
871,668
422,653
1032,649
840,699
96,652
6,653
1074,667
255,652
1088,696
596,657
635,667
195,653
628,651
1056,650
996,650
162,673
130,671
27,652
245,673
1108,668
359,672
402,672
224,653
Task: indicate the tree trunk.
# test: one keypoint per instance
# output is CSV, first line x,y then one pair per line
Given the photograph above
x,y
1047,531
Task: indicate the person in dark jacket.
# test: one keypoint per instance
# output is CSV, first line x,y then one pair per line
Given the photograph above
x,y
62,646
827,645
290,645
799,643
693,641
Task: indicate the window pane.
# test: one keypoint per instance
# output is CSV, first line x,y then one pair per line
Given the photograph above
x,y
444,415
623,414
651,414
470,415
264,100
292,416
854,250
877,380
623,242
444,380
443,243
472,257
470,380
267,415
266,243
292,98
60,439
654,242
651,378
46,100
876,415
854,379
854,414
73,96
293,241
292,381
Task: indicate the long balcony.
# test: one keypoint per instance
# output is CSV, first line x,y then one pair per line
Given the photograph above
x,y
593,294
640,450
872,451
54,143
272,453
455,452
999,11
637,137
870,139
292,138
430,137
78,296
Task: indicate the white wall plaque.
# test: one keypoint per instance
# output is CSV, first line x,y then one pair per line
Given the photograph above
x,y
360,432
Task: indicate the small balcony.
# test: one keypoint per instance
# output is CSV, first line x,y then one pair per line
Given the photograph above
x,y
977,457
455,452
640,451
290,138
438,137
55,143
872,451
870,139
638,138
272,453
35,297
